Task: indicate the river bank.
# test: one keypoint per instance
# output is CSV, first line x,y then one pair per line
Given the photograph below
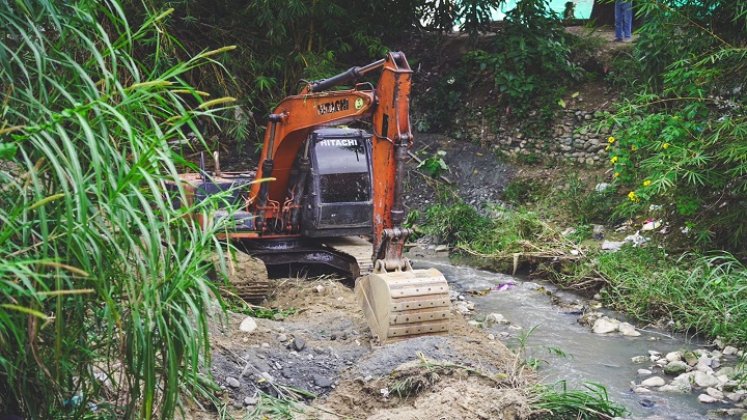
x,y
314,358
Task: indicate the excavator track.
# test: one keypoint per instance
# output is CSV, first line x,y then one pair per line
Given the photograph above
x,y
355,246
247,278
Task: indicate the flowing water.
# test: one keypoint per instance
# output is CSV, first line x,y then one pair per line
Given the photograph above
x,y
571,351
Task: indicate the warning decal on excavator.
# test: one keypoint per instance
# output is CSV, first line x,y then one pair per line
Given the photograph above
x,y
333,106
359,103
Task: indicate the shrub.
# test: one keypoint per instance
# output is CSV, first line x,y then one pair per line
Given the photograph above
x,y
529,61
103,289
679,141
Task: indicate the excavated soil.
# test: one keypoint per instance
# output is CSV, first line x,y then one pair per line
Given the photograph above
x,y
324,348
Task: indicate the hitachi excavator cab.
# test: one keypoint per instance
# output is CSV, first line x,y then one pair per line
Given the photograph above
x,y
339,199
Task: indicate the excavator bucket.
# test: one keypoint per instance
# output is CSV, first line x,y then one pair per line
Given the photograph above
x,y
404,303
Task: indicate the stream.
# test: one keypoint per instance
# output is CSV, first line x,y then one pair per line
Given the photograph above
x,y
569,350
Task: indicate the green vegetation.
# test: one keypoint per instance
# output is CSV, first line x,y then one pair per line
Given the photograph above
x,y
281,42
526,67
530,62
103,288
592,402
696,294
679,141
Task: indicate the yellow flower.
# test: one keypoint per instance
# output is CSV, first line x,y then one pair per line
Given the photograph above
x,y
611,140
617,174
634,148
665,146
646,183
633,197
614,159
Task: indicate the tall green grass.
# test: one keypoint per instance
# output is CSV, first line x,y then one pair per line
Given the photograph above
x,y
103,290
699,294
559,402
693,293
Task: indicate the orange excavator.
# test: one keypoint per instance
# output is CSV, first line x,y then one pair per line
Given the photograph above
x,y
324,187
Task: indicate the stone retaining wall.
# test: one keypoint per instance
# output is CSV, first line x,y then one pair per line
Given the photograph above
x,y
573,137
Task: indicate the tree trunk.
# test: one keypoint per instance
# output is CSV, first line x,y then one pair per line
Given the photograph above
x,y
603,13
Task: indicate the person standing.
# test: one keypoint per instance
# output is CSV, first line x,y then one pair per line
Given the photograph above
x,y
623,20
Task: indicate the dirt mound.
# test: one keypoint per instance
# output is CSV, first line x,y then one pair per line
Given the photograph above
x,y
462,400
324,353
426,388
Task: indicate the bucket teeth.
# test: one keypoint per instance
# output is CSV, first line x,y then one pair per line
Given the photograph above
x,y
404,303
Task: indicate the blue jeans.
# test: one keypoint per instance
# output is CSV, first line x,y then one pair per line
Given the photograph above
x,y
623,19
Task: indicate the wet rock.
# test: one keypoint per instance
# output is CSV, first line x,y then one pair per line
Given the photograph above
x,y
495,318
589,318
298,344
715,393
233,382
322,381
639,359
653,381
655,355
628,330
248,325
605,325
644,372
704,380
674,356
641,390
690,358
703,367
728,371
706,399
730,386
678,388
675,368
646,403
282,338
730,350
735,396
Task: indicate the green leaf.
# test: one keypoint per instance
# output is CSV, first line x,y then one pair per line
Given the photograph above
x,y
8,150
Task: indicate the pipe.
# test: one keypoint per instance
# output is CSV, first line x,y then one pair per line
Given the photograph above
x,y
348,75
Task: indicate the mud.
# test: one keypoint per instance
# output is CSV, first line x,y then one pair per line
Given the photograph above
x,y
325,349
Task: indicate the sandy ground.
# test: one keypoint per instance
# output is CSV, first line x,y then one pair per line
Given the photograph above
x,y
325,349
